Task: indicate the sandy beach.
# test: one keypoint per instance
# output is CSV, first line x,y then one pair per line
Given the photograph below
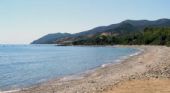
x,y
147,72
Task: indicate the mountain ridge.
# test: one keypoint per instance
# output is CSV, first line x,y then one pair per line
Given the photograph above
x,y
119,28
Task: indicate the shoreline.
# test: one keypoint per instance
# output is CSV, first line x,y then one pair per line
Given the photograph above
x,y
103,78
80,75
155,78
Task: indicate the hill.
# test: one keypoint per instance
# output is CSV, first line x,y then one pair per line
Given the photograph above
x,y
50,38
122,28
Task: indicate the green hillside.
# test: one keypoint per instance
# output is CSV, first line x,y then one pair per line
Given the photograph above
x,y
149,36
125,32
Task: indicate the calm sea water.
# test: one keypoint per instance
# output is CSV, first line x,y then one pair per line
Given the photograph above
x,y
25,65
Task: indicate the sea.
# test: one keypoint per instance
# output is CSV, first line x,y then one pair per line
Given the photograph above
x,y
26,65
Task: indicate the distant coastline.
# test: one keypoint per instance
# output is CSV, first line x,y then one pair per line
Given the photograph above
x,y
128,32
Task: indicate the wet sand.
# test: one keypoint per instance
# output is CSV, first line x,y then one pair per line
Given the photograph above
x,y
152,64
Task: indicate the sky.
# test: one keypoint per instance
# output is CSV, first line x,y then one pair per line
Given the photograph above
x,y
22,21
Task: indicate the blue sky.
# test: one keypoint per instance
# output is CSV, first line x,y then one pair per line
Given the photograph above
x,y
22,21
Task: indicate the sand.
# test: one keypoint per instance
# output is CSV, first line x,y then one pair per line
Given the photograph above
x,y
143,86
148,72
